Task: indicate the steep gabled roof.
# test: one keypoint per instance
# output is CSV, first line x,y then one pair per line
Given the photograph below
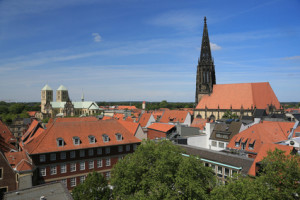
x,y
68,129
227,96
6,138
199,123
174,116
263,152
46,87
19,161
262,133
161,127
144,119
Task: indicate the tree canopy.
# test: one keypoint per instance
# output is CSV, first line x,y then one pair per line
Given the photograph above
x,y
158,170
94,187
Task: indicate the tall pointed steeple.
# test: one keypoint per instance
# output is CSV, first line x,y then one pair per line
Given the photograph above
x,y
206,76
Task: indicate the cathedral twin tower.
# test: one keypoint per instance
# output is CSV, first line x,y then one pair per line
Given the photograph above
x,y
206,76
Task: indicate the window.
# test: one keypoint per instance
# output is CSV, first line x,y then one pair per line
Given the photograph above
x,y
134,146
91,164
119,136
82,179
107,175
107,162
120,148
251,146
206,164
1,173
72,154
42,158
220,171
99,151
99,163
73,182
73,167
63,168
52,170
221,145
105,138
76,141
92,139
52,156
64,182
60,142
107,150
43,171
63,155
237,144
213,143
82,165
244,145
82,153
226,172
213,167
128,147
91,152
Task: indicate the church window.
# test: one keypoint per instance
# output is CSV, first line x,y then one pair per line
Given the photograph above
x,y
119,136
60,142
76,140
92,139
105,138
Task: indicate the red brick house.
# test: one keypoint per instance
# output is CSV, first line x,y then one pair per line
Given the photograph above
x,y
70,148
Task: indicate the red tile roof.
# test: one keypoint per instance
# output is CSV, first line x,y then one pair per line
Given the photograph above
x,y
106,118
174,116
132,127
47,142
199,123
118,116
161,127
19,161
6,138
263,152
262,133
126,107
240,94
31,113
144,119
32,128
157,114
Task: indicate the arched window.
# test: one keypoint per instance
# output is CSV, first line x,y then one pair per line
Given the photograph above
x,y
92,139
105,138
60,142
119,136
76,140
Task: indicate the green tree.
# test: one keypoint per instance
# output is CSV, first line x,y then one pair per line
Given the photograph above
x,y
278,179
160,171
94,187
16,108
229,115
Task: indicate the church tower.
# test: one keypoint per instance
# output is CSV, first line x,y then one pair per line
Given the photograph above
x,y
206,76
62,94
46,96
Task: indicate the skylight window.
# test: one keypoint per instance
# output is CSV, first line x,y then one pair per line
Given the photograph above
x,y
92,139
60,142
76,140
105,138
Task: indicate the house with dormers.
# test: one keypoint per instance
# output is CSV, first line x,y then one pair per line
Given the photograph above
x,y
176,117
70,148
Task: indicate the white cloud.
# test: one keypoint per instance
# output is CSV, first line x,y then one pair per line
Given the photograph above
x,y
97,37
215,47
292,58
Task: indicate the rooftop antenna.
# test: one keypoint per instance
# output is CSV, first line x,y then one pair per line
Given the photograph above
x,y
82,96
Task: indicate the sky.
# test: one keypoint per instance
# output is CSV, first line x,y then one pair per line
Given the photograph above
x,y
145,50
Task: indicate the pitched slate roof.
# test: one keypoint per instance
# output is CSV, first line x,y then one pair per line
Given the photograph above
x,y
174,116
6,138
67,129
229,129
220,157
161,127
262,133
236,95
263,152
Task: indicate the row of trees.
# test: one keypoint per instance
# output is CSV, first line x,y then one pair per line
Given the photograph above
x,y
10,111
160,171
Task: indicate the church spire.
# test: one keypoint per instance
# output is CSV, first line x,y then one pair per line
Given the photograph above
x,y
206,77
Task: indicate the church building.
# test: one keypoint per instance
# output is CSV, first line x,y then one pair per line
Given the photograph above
x,y
63,106
214,100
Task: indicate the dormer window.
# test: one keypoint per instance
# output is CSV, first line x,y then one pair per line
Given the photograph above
x,y
237,143
105,138
92,139
60,142
76,141
251,145
119,136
